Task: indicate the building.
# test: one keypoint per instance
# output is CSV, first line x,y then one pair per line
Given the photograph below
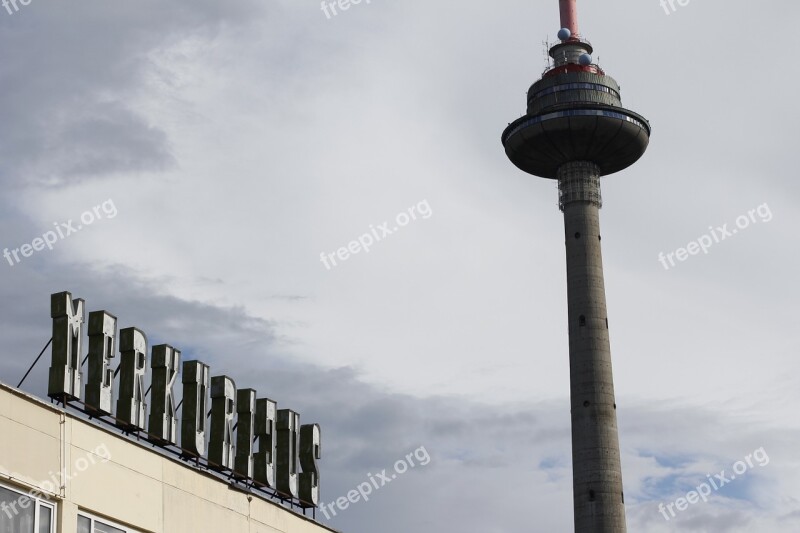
x,y
61,473
575,131
93,461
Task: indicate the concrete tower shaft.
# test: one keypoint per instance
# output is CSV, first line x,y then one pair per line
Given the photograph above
x,y
597,473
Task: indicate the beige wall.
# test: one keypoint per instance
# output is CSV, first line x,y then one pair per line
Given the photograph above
x,y
111,476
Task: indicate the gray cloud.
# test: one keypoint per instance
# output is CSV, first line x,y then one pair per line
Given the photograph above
x,y
494,451
70,84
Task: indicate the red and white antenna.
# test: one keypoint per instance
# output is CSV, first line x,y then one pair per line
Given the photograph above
x,y
569,15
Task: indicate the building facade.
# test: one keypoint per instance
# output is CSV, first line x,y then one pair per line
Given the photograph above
x,y
61,473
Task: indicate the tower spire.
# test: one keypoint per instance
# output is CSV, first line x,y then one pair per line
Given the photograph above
x,y
569,15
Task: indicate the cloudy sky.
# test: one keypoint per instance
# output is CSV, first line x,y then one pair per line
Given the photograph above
x,y
230,146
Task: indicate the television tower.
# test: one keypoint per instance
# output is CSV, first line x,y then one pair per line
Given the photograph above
x,y
576,131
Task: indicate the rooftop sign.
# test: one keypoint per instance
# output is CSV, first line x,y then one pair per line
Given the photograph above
x,y
239,418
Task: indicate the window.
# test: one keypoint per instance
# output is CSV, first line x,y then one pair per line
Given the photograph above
x,y
24,513
574,113
89,524
576,86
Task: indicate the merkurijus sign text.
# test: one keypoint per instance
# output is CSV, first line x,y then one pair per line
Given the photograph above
x,y
287,454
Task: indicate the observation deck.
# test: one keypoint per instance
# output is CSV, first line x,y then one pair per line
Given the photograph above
x,y
575,113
